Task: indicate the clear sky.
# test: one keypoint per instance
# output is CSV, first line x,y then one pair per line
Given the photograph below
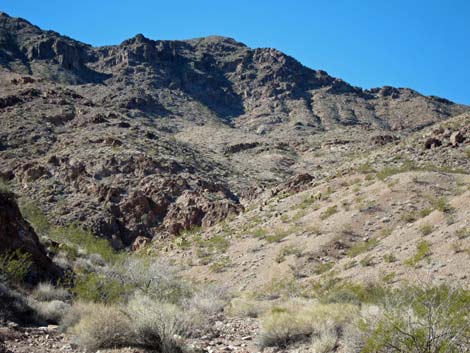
x,y
422,44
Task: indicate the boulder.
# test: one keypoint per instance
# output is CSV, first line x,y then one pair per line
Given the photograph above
x,y
432,142
16,234
457,138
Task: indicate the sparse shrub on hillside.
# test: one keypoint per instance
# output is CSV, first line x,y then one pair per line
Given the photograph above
x,y
389,258
46,292
103,326
426,229
208,300
221,264
367,260
362,247
299,320
443,205
462,233
50,311
151,278
159,325
287,251
421,320
422,251
97,287
247,307
329,212
323,267
425,212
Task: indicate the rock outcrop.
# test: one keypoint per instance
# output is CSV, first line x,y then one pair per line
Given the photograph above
x,y
17,235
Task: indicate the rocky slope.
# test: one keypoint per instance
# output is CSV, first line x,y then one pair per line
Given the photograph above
x,y
150,138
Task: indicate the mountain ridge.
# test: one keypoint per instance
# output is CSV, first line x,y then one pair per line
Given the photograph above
x,y
150,138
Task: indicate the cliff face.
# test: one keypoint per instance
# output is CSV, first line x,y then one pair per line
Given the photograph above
x,y
150,137
17,234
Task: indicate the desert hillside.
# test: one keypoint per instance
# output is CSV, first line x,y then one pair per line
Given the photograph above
x,y
203,196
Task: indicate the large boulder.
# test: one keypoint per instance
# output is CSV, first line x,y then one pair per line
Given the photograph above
x,y
17,234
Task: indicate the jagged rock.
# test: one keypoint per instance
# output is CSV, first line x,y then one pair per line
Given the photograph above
x,y
432,142
194,208
139,243
457,138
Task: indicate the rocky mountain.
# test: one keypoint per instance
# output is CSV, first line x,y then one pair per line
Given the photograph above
x,y
149,138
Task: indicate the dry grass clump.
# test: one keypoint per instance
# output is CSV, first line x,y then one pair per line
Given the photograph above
x,y
46,292
159,325
299,320
102,326
247,307
50,311
209,301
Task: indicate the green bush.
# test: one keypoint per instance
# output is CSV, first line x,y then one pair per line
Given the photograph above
x,y
85,240
422,320
15,265
96,287
422,251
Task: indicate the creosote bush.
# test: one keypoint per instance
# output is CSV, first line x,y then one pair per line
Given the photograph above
x,y
103,326
299,320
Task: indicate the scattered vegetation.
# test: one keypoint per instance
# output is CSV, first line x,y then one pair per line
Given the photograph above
x,y
423,250
329,212
426,229
362,247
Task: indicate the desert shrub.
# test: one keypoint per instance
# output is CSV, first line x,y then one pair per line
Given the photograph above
x,y
443,205
423,250
367,260
329,212
46,292
247,307
422,320
323,267
362,247
462,233
103,326
151,278
326,339
158,325
15,265
209,300
50,311
389,258
97,287
425,229
300,320
221,264
353,293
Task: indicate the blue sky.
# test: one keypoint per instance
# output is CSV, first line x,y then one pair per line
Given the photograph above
x,y
422,44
